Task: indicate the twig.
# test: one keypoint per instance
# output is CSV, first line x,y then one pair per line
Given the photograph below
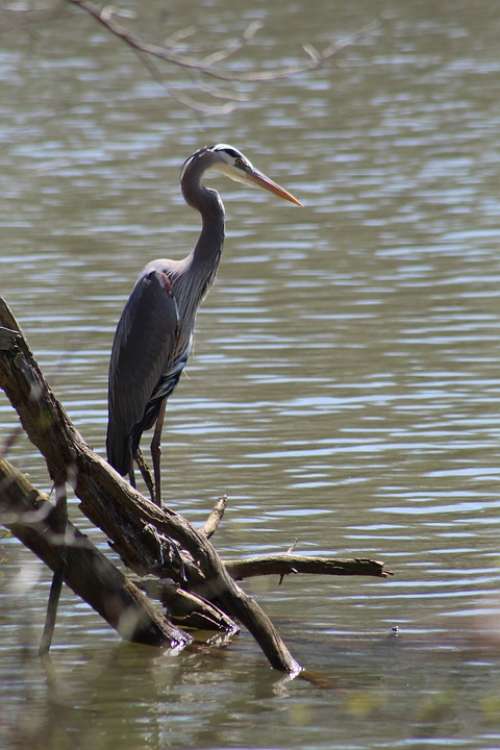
x,y
186,101
235,46
289,551
316,59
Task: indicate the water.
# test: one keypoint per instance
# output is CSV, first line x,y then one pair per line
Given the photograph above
x,y
344,388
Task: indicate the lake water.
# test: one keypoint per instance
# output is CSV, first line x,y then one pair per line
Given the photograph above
x,y
344,389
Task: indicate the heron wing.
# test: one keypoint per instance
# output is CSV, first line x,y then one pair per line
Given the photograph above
x,y
143,351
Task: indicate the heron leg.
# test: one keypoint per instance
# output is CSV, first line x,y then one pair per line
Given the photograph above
x,y
146,472
156,451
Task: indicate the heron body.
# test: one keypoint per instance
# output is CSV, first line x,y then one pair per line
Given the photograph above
x,y
154,335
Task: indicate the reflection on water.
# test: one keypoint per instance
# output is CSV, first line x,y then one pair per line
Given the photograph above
x,y
344,387
192,702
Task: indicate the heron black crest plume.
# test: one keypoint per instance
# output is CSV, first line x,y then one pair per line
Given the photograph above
x,y
154,335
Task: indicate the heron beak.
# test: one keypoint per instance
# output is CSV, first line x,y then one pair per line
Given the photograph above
x,y
259,179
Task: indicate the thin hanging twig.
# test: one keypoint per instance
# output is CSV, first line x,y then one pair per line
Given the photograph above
x,y
316,58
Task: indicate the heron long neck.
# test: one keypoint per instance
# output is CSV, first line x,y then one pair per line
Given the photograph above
x,y
204,259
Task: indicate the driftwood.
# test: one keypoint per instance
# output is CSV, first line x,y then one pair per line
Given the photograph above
x,y
29,515
151,541
283,565
32,518
117,508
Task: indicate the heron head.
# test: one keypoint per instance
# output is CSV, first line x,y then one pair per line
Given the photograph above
x,y
231,162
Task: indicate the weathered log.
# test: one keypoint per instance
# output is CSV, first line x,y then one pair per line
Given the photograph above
x,y
151,540
109,501
113,505
32,518
281,565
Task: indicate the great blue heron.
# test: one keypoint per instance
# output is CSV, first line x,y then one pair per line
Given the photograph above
x,y
154,335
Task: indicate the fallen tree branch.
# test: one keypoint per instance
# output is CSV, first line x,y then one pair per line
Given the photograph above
x,y
110,502
32,518
149,539
285,564
105,496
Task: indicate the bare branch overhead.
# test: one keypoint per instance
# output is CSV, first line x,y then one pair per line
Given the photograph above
x,y
206,65
316,58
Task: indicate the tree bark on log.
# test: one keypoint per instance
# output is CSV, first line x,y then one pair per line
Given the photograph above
x,y
31,517
110,502
151,541
250,567
185,608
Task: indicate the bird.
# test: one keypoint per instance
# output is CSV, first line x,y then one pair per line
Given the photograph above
x,y
154,335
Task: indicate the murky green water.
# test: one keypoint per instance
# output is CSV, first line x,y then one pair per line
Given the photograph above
x,y
345,384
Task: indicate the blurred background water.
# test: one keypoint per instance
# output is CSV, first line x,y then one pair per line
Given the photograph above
x,y
344,388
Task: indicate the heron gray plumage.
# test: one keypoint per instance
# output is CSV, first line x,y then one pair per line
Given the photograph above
x,y
154,335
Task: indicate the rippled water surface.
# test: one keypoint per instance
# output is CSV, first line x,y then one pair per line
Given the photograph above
x,y
344,389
